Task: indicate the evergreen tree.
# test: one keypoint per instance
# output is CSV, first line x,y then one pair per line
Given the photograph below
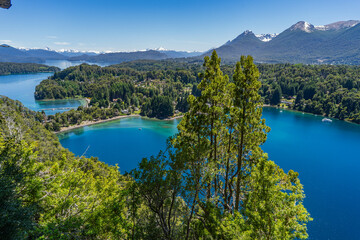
x,y
224,177
18,185
276,96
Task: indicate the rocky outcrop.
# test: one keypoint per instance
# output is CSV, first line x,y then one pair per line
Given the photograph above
x,y
5,4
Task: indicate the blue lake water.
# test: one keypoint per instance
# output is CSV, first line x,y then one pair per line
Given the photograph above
x,y
22,87
327,156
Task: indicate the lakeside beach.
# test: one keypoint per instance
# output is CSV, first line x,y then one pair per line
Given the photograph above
x,y
89,123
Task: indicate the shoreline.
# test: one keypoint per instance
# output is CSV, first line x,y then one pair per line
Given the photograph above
x,y
84,102
173,118
89,123
318,115
64,99
27,73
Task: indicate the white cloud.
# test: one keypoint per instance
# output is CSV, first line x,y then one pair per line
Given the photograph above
x,y
52,37
62,43
5,41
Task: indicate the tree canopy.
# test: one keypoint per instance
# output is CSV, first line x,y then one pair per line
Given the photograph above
x,y
214,178
213,181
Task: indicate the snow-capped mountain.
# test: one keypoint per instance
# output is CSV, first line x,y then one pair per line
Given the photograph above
x,y
303,26
334,43
338,25
75,53
308,27
266,37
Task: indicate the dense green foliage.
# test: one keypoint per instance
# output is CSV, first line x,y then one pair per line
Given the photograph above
x,y
76,117
158,107
47,192
22,68
17,170
327,90
125,86
214,181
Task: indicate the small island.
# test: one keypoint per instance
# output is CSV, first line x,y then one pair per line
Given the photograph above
x,y
7,68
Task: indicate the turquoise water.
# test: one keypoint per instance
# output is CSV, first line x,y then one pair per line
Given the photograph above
x,y
22,87
327,156
124,142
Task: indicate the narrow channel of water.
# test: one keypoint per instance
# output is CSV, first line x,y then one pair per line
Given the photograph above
x,y
22,87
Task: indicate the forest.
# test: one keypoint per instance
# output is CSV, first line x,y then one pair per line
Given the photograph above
x,y
121,88
212,182
328,90
75,117
23,68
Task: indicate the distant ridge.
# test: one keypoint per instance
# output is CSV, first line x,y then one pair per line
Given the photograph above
x,y
11,54
122,56
303,42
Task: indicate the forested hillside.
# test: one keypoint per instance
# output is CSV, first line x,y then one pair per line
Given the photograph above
x,y
212,182
47,192
327,90
122,88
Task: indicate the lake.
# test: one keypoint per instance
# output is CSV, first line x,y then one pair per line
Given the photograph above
x,y
22,87
325,154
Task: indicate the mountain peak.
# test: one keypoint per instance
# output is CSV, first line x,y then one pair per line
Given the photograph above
x,y
247,32
303,26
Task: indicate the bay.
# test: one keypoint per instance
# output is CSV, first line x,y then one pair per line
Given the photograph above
x,y
22,87
326,155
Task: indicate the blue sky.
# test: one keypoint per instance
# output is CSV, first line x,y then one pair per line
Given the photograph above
x,y
128,25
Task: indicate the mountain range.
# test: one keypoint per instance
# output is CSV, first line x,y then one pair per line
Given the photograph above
x,y
11,54
335,43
